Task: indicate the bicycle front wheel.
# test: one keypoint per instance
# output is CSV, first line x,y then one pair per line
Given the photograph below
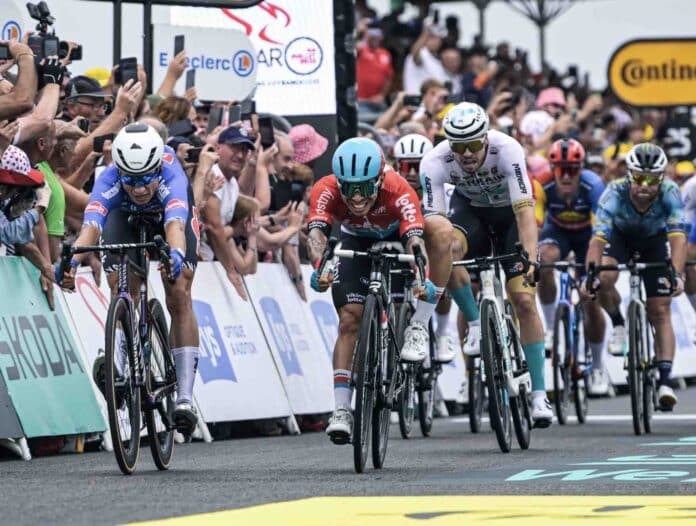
x,y
427,387
477,392
584,355
635,374
560,361
387,373
519,405
122,394
498,398
161,374
364,373
649,380
406,407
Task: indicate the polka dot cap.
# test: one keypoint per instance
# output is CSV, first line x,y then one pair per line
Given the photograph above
x,y
16,160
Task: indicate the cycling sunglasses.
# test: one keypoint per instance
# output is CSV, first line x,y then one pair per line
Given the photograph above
x,y
406,166
138,181
473,146
365,188
571,170
645,179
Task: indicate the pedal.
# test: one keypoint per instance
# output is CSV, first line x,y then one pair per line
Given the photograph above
x,y
541,424
340,439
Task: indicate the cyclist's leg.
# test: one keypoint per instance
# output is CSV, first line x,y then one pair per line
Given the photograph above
x,y
618,251
348,291
690,285
553,246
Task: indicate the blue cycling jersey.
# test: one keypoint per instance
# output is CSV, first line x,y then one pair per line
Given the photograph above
x,y
615,210
171,196
577,215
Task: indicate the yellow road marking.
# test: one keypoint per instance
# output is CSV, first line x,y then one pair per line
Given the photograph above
x,y
456,510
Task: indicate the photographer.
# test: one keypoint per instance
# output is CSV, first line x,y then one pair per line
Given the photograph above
x,y
21,98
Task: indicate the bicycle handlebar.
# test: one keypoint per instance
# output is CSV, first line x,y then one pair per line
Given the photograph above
x,y
562,265
350,254
486,262
593,270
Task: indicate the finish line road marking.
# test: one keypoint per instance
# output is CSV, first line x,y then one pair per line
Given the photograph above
x,y
456,510
599,419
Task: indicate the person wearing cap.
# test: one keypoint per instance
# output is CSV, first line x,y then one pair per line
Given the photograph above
x,y
374,72
84,97
540,125
423,62
233,148
307,143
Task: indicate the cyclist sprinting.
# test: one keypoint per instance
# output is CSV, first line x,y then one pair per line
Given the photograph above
x,y
371,203
642,213
146,177
688,191
566,200
409,150
492,191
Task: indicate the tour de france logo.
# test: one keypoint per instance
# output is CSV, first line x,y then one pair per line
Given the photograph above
x,y
303,56
243,63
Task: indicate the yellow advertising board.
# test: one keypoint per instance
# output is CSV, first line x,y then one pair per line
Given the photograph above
x,y
655,72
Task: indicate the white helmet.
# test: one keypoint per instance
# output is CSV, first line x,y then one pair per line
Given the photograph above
x,y
465,122
137,150
412,146
646,157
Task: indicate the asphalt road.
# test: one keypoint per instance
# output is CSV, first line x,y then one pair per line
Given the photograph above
x,y
601,457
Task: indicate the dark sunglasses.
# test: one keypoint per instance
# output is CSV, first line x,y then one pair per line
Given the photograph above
x,y
365,188
645,179
473,146
571,170
137,181
405,166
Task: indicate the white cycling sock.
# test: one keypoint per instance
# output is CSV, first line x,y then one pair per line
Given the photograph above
x,y
442,324
343,393
597,355
424,310
185,361
549,310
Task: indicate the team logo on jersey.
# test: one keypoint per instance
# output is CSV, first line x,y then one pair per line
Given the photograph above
x,y
168,158
408,209
380,211
111,192
520,178
174,204
163,191
96,206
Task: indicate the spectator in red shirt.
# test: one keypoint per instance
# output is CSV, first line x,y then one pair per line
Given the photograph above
x,y
374,72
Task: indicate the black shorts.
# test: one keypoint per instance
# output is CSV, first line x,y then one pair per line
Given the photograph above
x,y
352,276
653,249
566,240
478,224
118,230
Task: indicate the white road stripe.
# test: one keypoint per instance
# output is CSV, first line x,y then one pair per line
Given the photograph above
x,y
598,418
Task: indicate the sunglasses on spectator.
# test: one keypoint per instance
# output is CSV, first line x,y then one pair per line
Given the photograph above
x,y
645,179
473,146
406,166
102,105
365,188
571,170
137,181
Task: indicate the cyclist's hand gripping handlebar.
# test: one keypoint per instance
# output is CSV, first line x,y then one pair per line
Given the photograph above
x,y
163,256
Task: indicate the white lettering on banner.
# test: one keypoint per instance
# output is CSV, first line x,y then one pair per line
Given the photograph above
x,y
294,59
408,209
209,346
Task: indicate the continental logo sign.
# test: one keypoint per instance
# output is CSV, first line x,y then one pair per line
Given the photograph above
x,y
656,72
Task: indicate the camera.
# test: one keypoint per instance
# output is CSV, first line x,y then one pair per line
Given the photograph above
x,y
45,44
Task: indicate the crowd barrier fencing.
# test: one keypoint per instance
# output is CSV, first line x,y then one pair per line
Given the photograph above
x,y
267,357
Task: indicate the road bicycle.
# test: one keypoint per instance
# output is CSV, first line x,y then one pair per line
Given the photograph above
x,y
639,364
504,367
139,372
377,377
571,357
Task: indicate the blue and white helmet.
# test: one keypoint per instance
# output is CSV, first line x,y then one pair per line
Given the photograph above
x,y
137,150
465,122
357,160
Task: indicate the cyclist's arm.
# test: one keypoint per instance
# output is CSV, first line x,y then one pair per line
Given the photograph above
x,y
216,233
603,224
175,233
405,206
322,201
540,206
675,224
521,195
433,176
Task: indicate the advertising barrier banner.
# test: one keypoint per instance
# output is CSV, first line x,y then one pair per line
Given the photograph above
x,y
295,340
236,378
294,51
40,361
9,423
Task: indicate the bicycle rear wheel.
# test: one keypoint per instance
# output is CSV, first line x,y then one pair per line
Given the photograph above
x,y
161,374
635,374
498,399
427,387
386,373
584,355
363,373
122,394
560,361
477,392
406,402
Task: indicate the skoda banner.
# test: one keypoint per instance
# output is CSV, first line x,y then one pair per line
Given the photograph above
x,y
40,361
655,72
293,59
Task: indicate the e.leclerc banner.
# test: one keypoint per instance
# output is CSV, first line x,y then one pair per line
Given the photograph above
x,y
39,359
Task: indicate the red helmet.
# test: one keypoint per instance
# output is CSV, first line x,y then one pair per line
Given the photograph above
x,y
566,151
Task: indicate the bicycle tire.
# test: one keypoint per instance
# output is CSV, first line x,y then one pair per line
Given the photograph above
x,y
635,376
426,395
477,392
498,399
649,381
160,371
580,399
561,364
519,405
406,407
124,408
381,413
363,372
